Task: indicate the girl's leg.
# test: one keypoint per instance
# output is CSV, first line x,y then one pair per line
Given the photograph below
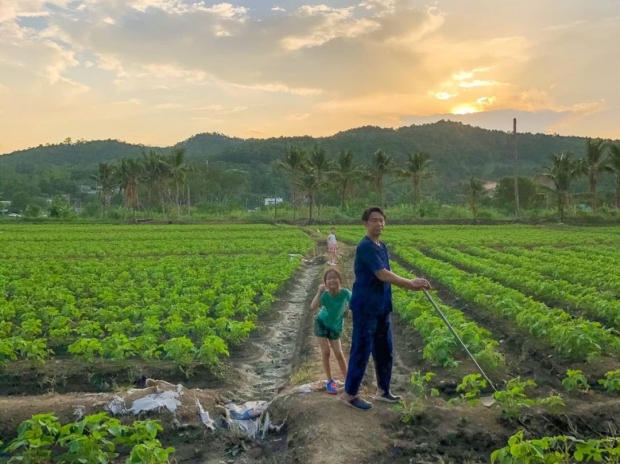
x,y
342,363
324,344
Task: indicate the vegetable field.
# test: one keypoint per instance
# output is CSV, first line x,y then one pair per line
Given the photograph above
x,y
182,294
105,305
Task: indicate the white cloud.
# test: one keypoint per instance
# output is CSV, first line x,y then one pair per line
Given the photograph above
x,y
168,106
297,116
261,70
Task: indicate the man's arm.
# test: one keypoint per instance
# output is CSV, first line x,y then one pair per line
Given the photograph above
x,y
408,284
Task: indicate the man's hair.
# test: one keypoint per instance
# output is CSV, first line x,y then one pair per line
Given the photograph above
x,y
369,211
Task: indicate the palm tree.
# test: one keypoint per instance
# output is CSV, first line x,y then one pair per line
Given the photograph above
x,y
321,164
593,165
475,192
417,168
309,185
178,171
154,173
561,173
613,165
129,174
107,181
343,175
380,166
294,161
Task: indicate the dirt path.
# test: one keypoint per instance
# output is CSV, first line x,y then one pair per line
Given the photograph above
x,y
270,358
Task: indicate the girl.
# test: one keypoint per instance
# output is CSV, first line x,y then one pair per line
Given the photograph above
x,y
332,247
328,323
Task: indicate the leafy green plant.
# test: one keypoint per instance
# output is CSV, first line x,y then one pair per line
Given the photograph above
x,y
513,399
558,449
470,388
417,384
93,440
35,438
575,381
611,382
553,403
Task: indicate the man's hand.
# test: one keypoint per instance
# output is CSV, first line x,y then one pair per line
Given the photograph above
x,y
419,284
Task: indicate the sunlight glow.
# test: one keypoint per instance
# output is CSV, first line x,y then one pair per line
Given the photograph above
x,y
464,109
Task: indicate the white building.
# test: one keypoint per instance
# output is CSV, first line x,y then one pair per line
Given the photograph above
x,y
273,201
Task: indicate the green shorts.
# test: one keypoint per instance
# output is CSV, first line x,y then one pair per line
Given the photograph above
x,y
322,331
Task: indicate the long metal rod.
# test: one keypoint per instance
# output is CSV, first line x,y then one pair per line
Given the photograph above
x,y
430,299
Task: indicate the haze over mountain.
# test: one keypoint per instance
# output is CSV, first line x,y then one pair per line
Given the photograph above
x,y
457,150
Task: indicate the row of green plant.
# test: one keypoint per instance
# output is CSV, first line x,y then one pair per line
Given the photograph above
x,y
511,401
564,264
560,449
83,248
572,338
577,297
575,380
96,438
183,308
155,308
429,236
440,346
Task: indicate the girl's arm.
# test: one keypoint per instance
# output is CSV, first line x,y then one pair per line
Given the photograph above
x,y
314,305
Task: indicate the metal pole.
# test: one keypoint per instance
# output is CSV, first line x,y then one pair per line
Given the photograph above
x,y
516,178
432,302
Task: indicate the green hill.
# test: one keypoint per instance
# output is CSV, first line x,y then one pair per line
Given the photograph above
x,y
458,152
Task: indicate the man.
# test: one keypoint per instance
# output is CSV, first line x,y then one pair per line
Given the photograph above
x,y
371,305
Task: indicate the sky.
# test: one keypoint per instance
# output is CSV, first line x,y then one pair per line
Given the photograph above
x,y
157,72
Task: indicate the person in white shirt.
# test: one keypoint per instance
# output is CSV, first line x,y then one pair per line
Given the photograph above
x,y
332,247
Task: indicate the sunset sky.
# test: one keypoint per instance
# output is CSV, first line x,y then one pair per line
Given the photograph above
x,y
159,71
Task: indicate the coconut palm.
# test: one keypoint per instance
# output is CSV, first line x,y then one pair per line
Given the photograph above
x,y
129,174
155,168
593,165
475,192
343,175
106,180
177,171
417,168
321,165
309,184
295,160
560,174
381,165
612,165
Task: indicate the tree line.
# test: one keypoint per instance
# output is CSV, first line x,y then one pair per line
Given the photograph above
x,y
310,174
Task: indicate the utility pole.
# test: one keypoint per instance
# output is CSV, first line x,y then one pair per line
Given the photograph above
x,y
275,208
516,177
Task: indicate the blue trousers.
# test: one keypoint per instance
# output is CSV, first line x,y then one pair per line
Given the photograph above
x,y
371,335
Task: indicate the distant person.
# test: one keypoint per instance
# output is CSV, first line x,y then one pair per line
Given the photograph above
x,y
332,247
333,300
371,305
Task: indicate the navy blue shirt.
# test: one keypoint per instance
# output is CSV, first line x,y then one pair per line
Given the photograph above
x,y
371,295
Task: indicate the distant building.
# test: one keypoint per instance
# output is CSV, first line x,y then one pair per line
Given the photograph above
x,y
4,206
273,201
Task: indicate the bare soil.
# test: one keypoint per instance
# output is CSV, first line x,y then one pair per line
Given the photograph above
x,y
284,354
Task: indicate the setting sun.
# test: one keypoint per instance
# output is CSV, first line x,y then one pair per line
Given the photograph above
x,y
464,109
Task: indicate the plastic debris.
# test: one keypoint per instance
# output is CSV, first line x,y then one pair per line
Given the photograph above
x,y
204,416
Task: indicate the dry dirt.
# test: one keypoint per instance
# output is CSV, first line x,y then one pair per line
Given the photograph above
x,y
282,355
